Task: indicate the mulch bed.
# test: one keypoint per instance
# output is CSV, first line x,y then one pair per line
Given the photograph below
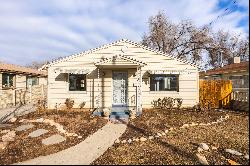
x,y
75,121
180,145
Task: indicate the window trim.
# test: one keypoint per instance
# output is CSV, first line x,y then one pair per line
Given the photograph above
x,y
174,90
77,91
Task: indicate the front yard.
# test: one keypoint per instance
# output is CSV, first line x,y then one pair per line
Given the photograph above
x,y
179,145
77,123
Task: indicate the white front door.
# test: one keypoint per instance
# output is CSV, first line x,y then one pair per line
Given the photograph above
x,y
120,87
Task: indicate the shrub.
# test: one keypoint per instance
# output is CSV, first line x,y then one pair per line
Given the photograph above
x,y
69,103
179,102
40,105
82,105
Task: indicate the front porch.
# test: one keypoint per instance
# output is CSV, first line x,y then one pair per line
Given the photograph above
x,y
125,87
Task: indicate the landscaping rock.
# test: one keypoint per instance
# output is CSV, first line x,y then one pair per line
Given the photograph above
x,y
151,137
37,133
185,125
202,124
163,134
24,127
214,148
129,141
142,139
79,137
3,145
246,156
23,121
171,129
5,126
166,131
199,149
106,112
10,136
4,131
117,141
136,139
54,139
204,146
40,120
234,152
202,159
69,134
12,120
123,141
159,134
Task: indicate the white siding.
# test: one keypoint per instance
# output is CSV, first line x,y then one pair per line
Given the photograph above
x,y
58,85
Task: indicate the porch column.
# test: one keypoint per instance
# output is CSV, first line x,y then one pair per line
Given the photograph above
x,y
99,90
139,92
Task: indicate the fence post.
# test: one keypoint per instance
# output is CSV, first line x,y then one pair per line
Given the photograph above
x,y
30,94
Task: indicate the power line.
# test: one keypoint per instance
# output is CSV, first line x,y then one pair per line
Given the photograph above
x,y
227,11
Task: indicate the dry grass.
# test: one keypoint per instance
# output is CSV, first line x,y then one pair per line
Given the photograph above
x,y
180,145
24,148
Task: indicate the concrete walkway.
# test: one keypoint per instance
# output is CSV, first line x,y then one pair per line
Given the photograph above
x,y
85,152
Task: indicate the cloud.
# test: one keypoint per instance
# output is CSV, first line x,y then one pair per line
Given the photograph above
x,y
45,29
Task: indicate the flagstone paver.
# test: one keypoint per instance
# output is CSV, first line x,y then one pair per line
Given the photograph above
x,y
54,139
24,127
38,133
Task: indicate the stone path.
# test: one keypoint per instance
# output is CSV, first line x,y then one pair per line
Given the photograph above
x,y
24,127
54,139
85,152
38,133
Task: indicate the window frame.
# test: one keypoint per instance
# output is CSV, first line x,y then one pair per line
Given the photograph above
x,y
28,77
78,90
13,80
177,89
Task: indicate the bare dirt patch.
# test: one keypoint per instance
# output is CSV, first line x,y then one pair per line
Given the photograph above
x,y
180,145
75,121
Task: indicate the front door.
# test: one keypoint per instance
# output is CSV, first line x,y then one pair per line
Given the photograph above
x,y
120,87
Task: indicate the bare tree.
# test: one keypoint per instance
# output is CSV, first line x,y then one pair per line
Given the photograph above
x,y
36,64
186,41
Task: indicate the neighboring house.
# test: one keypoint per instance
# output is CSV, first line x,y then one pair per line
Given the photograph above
x,y
238,73
123,74
21,85
18,77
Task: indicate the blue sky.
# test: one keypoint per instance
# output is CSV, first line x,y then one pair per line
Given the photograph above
x,y
37,30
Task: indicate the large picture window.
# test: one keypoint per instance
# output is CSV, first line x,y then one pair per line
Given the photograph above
x,y
7,80
164,82
77,82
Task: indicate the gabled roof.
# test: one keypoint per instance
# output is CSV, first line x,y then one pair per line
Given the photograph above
x,y
235,67
10,68
112,44
127,58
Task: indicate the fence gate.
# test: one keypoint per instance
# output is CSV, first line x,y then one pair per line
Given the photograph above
x,y
213,92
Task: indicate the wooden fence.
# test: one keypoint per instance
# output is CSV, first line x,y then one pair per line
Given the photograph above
x,y
212,92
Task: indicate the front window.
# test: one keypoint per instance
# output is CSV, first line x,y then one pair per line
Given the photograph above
x,y
164,82
7,80
31,81
77,82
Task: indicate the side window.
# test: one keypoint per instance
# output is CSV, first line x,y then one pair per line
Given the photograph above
x,y
164,82
77,82
7,80
31,81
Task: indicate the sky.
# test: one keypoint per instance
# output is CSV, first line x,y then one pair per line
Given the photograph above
x,y
39,30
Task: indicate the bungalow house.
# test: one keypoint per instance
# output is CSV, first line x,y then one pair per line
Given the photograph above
x,y
121,75
16,80
237,72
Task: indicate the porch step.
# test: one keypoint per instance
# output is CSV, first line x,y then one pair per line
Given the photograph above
x,y
119,117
